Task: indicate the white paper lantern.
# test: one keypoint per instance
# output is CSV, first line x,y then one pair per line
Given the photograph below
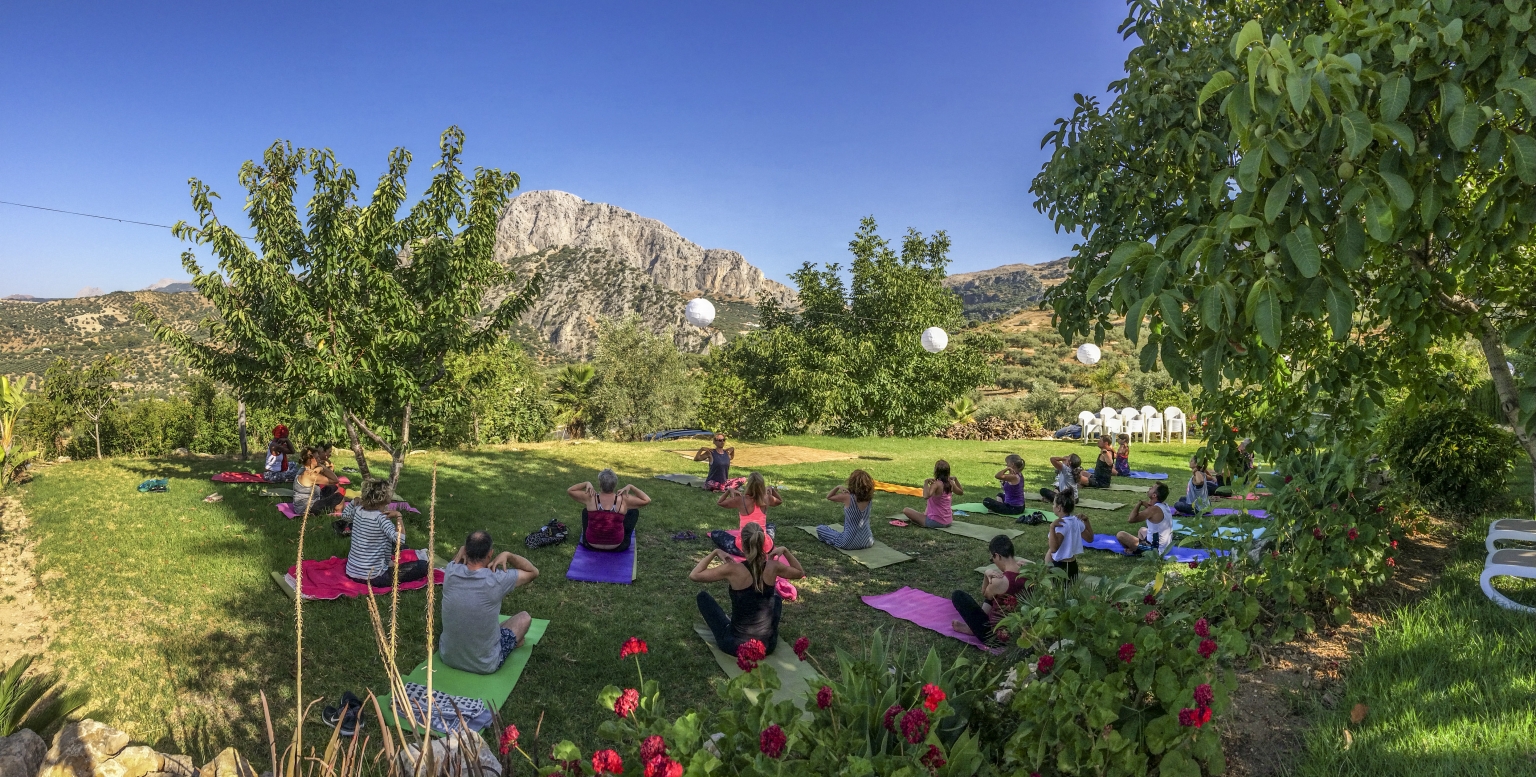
x,y
700,312
935,339
1088,354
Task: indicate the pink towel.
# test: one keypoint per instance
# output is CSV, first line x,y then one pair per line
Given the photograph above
x,y
286,508
328,579
934,613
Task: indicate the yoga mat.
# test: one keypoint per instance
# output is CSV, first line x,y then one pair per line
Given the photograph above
x,y
1127,487
796,677
977,531
252,477
1234,533
604,566
1148,475
493,689
897,488
876,556
934,613
327,579
1095,504
1229,511
288,492
286,508
683,480
1176,553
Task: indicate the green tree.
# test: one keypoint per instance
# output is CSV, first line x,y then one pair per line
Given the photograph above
x,y
491,397
642,383
13,400
1290,203
87,392
351,307
850,359
572,395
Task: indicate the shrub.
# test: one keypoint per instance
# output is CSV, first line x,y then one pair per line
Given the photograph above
x,y
642,385
1048,404
1448,454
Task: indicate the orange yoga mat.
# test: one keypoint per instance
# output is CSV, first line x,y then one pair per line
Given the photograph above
x,y
897,488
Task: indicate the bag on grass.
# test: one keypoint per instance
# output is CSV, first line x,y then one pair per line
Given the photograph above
x,y
552,533
155,484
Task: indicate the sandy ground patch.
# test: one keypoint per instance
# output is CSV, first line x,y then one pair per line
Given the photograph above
x,y
769,455
23,621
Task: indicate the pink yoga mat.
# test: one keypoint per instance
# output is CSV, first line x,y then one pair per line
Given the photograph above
x,y
286,508
254,477
931,612
328,579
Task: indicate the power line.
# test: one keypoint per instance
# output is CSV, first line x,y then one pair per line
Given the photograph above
x,y
94,216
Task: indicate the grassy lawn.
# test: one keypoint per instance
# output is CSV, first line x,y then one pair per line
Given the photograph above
x,y
164,611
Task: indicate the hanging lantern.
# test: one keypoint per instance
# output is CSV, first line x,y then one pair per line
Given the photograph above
x,y
935,339
1088,354
700,312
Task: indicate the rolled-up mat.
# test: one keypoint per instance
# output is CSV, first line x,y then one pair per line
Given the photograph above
x,y
493,688
897,488
876,556
603,566
795,676
934,613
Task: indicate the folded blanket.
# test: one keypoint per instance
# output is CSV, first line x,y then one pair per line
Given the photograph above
x,y
897,488
328,579
286,508
449,713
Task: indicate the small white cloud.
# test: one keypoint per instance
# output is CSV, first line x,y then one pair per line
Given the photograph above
x,y
90,291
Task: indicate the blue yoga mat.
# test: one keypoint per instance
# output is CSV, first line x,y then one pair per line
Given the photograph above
x,y
1139,475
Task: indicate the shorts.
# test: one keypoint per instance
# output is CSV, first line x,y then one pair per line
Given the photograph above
x,y
1070,566
508,644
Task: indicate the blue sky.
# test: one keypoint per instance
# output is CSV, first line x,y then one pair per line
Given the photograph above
x,y
766,128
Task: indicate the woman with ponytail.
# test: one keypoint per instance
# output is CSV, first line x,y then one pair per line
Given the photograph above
x,y
755,604
750,503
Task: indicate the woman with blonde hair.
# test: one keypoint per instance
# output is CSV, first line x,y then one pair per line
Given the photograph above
x,y
755,602
750,502
856,497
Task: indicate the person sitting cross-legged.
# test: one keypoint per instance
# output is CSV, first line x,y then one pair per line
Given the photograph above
x,y
857,498
1157,535
608,513
376,537
999,592
474,637
753,582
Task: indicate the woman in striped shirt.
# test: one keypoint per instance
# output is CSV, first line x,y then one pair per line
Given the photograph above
x,y
856,497
376,536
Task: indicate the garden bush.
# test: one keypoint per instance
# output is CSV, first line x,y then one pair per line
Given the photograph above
x,y
1449,455
1048,404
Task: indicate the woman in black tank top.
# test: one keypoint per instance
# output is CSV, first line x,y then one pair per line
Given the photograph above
x,y
755,603
1104,467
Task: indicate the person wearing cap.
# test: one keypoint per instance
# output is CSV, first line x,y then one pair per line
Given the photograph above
x,y
281,467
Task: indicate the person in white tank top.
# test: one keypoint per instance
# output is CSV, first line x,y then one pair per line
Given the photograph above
x,y
1157,534
1067,534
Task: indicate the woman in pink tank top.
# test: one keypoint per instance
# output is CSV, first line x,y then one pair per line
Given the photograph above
x,y
750,503
941,489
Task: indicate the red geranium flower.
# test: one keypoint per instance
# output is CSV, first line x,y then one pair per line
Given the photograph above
x,y
1287,478
802,647
662,766
1202,628
914,725
890,717
1353,533
933,759
1394,544
508,739
1205,716
749,653
772,741
1391,562
632,646
1207,648
932,695
1188,717
1194,565
1149,599
1045,664
1127,652
1317,532
627,703
1150,617
824,697
652,746
607,762
1204,695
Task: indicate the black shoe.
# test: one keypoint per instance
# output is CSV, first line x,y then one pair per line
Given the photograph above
x,y
352,714
342,526
1032,519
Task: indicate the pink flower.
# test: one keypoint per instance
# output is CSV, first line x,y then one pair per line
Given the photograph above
x,y
1381,508
1207,648
1353,533
508,739
632,646
890,716
749,653
627,703
932,696
1204,695
1128,652
772,741
933,759
1150,617
607,762
1391,562
1202,628
824,697
802,647
1046,662
1188,717
652,746
914,725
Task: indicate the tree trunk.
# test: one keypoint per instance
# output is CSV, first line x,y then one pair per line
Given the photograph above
x,y
357,445
397,460
1504,383
96,425
245,452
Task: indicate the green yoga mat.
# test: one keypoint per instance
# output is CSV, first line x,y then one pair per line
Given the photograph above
x,y
686,480
977,531
874,557
795,676
493,689
1128,487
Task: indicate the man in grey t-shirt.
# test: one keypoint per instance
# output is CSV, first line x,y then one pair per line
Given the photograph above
x,y
474,638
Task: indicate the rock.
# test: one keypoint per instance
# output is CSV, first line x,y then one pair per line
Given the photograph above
x,y
176,766
136,761
452,756
181,452
22,753
79,747
228,764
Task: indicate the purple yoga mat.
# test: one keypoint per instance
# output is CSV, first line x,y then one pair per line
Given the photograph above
x,y
1139,475
1176,553
603,566
931,612
1229,511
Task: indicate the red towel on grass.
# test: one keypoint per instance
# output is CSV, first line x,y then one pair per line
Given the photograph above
x,y
328,579
255,477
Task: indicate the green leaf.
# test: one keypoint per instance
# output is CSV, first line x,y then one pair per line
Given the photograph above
x,y
1242,222
1117,264
1451,33
1218,82
1429,203
1266,317
1251,33
1279,194
1173,313
1304,252
1350,245
1341,311
1395,92
1525,86
1298,86
1133,316
1357,132
1212,308
1451,98
1398,189
1248,170
1379,222
1177,763
1521,335
1464,124
1522,153
1400,133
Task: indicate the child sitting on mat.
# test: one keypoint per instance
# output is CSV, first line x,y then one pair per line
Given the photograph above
x,y
281,468
856,497
999,593
1123,456
317,487
1157,535
475,639
1067,535
755,602
940,491
1011,500
1069,476
751,503
608,516
376,538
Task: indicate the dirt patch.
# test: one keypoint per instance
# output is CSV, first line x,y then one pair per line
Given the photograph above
x,y
23,621
1262,733
770,455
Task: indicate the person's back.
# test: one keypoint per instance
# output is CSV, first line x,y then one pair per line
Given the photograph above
x,y
474,638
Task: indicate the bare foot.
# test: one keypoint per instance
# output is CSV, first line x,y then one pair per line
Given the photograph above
x,y
959,626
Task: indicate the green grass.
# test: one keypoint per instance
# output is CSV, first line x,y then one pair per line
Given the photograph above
x,y
164,610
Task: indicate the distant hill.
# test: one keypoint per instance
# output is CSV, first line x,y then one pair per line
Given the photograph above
x,y
1002,291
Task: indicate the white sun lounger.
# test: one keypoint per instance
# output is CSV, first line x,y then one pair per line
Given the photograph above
x,y
1515,563
1510,529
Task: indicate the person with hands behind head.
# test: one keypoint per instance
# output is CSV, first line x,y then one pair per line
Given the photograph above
x,y
857,498
1069,476
1157,535
1067,534
608,513
475,639
719,458
750,503
376,534
1000,588
755,603
940,491
1011,500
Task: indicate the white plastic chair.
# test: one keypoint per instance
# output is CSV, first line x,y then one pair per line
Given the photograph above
x,y
1089,422
1110,422
1152,423
1134,425
1521,529
1512,562
1174,421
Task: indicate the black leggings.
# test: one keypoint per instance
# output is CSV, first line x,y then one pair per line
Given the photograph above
x,y
973,615
410,572
720,624
323,501
630,519
1069,566
1002,508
